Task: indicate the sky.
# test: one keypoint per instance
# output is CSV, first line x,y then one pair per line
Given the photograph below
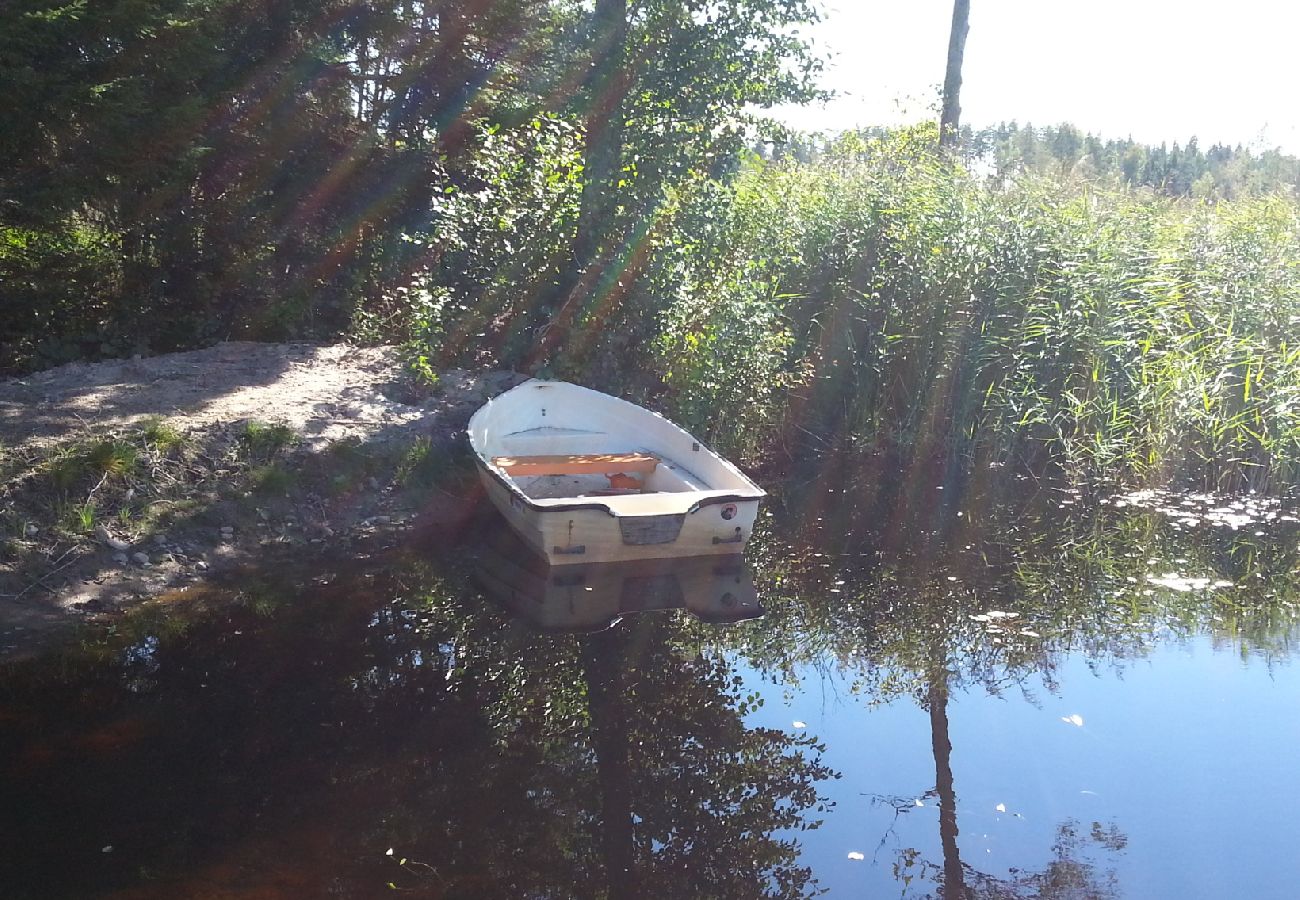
x,y
1154,70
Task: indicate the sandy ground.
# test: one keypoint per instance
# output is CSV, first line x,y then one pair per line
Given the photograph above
x,y
324,393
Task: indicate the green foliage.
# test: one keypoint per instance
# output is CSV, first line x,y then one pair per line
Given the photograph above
x,y
181,171
59,286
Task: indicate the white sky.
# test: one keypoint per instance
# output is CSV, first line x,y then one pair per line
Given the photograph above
x,y
1153,70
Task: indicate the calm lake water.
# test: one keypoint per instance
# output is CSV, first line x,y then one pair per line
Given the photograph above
x,y
1024,694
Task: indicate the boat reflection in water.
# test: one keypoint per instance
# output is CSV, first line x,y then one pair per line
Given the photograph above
x,y
593,596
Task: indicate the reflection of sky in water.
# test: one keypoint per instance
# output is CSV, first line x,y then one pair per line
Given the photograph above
x,y
1189,753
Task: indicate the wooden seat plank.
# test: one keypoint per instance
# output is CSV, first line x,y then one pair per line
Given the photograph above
x,y
577,463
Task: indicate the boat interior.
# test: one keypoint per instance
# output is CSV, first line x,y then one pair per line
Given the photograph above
x,y
601,470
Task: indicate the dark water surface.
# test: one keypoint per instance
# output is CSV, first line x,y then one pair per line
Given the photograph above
x,y
1037,696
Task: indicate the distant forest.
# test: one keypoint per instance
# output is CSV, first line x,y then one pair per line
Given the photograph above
x,y
1063,151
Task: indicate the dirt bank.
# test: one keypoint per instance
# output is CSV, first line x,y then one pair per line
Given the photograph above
x,y
128,481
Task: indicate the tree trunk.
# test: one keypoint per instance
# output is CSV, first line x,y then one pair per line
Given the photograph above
x,y
954,882
605,659
950,121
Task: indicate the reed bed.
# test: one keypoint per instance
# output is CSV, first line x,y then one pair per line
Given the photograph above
x,y
882,302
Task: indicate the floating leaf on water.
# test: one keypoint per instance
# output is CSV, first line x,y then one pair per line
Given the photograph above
x,y
855,855
919,802
390,852
799,724
1001,807
1027,633
1074,719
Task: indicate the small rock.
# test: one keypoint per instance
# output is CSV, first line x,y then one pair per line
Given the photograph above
x,y
160,540
141,558
32,531
120,558
201,566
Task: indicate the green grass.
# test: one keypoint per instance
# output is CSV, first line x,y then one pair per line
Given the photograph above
x,y
75,518
161,436
274,478
86,517
425,465
114,458
65,470
72,468
261,441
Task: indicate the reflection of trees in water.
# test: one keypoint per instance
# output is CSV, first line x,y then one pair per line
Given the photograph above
x,y
292,740
996,598
1071,873
691,796
1074,872
1076,577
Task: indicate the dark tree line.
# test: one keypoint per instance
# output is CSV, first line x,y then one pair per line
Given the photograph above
x,y
1218,172
1008,150
182,171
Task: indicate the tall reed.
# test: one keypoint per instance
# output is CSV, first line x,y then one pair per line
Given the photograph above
x,y
882,302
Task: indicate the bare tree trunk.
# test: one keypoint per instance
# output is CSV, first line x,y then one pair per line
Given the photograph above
x,y
954,880
605,659
950,120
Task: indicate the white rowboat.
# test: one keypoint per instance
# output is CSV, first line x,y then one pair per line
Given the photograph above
x,y
585,477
